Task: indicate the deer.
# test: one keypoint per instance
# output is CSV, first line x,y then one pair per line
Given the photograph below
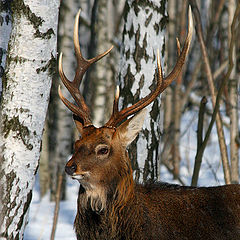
x,y
110,204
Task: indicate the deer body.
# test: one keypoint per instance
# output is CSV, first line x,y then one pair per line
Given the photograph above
x,y
162,212
110,204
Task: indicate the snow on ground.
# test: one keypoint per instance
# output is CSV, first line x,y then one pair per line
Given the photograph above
x,y
42,210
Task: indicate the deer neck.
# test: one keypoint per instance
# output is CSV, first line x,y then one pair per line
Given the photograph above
x,y
112,196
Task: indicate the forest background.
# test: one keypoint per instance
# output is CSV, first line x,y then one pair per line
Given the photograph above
x,y
191,134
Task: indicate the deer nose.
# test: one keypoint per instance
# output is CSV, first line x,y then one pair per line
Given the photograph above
x,y
71,169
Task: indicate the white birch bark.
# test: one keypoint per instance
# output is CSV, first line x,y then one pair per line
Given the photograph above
x,y
30,63
143,35
5,30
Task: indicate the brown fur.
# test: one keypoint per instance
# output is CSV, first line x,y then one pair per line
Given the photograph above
x,y
112,206
160,211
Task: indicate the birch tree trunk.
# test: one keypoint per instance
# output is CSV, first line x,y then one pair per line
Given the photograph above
x,y
30,64
5,30
143,35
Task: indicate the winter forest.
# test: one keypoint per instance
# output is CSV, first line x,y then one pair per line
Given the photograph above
x,y
191,132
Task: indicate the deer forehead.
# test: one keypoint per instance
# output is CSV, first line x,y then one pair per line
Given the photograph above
x,y
93,136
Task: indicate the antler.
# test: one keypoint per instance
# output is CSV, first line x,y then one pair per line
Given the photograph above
x,y
81,110
162,83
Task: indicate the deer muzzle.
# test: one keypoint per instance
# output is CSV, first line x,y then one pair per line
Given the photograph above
x,y
71,169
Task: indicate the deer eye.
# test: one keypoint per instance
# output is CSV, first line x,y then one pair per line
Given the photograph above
x,y
102,150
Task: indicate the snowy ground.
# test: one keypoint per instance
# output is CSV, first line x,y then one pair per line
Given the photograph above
x,y
41,210
41,215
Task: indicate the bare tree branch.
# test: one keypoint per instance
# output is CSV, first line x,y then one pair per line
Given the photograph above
x,y
56,210
221,138
198,158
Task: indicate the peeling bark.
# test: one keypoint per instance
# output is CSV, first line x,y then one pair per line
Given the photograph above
x,y
26,85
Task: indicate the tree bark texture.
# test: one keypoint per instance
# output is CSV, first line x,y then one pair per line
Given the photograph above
x,y
143,34
26,85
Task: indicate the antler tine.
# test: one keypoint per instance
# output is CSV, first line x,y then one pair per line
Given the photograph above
x,y
76,110
82,66
115,112
182,57
117,116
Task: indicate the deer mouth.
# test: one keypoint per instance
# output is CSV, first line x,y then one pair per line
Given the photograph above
x,y
78,177
81,177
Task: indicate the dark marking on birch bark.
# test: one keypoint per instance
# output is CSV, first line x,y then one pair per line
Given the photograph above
x,y
140,52
156,27
131,32
1,71
47,35
50,66
155,110
141,82
16,59
13,124
127,54
145,55
163,47
149,4
148,20
19,8
25,208
126,90
7,204
146,170
137,53
5,6
165,18
133,157
1,20
8,19
1,55
136,8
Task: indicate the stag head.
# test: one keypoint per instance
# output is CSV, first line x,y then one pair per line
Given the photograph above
x,y
100,160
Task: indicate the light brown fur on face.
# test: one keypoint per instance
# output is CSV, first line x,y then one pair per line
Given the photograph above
x,y
97,170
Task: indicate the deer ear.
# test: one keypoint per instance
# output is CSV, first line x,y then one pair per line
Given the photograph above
x,y
129,129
